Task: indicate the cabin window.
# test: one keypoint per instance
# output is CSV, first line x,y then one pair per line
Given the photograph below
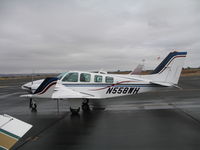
x,y
98,78
109,79
71,77
85,77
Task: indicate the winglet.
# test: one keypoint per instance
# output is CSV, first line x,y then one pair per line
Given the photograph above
x,y
11,130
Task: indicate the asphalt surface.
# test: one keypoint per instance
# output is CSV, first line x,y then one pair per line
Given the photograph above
x,y
167,120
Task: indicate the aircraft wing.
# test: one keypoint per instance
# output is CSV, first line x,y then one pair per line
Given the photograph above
x,y
62,92
11,130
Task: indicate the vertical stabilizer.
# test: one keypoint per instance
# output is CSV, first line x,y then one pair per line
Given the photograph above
x,y
170,68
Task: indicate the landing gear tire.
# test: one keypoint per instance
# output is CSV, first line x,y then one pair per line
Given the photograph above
x,y
33,106
74,111
85,105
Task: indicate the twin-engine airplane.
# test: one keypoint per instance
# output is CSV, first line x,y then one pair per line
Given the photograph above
x,y
79,87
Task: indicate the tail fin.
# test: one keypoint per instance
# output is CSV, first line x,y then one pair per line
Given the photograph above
x,y
170,68
11,130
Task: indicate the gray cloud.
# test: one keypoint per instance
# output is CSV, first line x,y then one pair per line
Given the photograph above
x,y
54,36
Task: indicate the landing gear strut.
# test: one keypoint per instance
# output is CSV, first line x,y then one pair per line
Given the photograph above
x,y
85,105
32,105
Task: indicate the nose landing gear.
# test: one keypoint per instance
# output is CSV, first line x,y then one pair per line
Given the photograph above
x,y
32,105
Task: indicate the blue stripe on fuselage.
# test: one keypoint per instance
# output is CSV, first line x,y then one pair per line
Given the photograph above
x,y
110,85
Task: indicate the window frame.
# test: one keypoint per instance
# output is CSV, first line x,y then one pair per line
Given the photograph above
x,y
96,76
68,78
107,79
84,77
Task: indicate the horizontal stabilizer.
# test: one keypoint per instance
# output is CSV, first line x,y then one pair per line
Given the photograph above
x,y
162,83
166,84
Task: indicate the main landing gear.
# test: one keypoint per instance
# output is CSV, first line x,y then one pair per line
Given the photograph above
x,y
85,107
75,111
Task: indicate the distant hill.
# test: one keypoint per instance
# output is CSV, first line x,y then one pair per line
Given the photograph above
x,y
185,72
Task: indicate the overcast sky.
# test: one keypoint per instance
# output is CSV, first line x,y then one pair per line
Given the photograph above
x,y
59,35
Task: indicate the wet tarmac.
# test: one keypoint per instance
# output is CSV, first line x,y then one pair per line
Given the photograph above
x,y
167,120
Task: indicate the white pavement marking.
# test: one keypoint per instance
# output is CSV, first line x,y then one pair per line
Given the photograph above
x,y
11,94
153,106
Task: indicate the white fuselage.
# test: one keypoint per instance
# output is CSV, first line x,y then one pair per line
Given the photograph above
x,y
121,85
109,85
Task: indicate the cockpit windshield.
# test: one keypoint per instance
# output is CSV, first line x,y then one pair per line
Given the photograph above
x,y
71,77
61,75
